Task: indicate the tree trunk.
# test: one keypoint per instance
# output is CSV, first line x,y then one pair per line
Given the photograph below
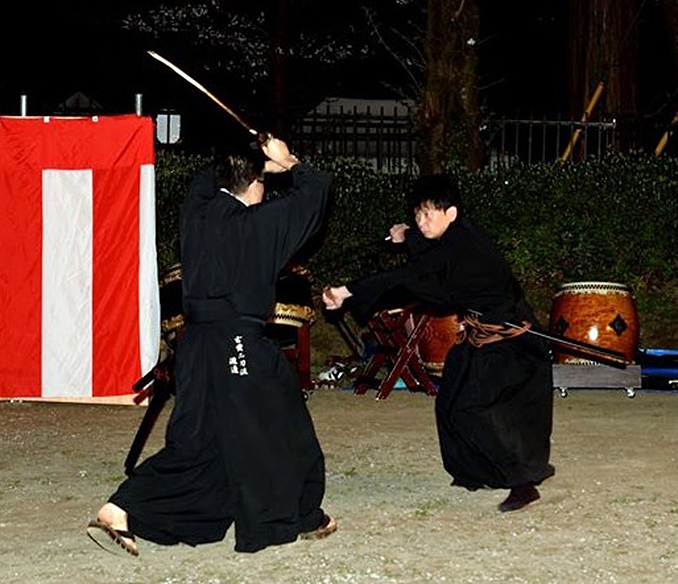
x,y
670,8
279,66
449,101
604,47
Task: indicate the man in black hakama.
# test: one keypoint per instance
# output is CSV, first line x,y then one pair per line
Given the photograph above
x,y
240,444
494,406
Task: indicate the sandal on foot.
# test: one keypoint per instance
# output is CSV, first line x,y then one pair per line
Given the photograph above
x,y
110,539
327,527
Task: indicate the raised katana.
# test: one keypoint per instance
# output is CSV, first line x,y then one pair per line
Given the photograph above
x,y
260,136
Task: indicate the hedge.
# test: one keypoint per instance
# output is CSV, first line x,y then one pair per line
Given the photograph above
x,y
614,220
174,171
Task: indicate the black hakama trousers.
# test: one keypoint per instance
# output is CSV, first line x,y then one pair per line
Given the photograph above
x,y
494,413
240,448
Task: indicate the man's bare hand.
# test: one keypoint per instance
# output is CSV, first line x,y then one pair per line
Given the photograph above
x,y
279,156
397,232
334,297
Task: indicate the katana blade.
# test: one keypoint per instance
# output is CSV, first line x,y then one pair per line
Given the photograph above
x,y
202,88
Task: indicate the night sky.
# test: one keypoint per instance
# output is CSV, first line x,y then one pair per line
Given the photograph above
x,y
54,51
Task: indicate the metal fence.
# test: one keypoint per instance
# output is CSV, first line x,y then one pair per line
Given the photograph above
x,y
531,141
384,136
387,138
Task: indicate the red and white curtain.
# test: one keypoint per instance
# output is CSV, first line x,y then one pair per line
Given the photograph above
x,y
79,306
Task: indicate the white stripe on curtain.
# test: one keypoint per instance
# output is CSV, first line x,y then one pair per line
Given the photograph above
x,y
149,302
67,283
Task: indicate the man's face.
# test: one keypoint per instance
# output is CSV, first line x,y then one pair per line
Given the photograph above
x,y
433,222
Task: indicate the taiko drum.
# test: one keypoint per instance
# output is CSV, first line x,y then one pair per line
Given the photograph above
x,y
293,295
441,334
603,314
293,308
171,311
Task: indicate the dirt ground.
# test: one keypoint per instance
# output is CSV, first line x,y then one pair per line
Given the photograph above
x,y
610,514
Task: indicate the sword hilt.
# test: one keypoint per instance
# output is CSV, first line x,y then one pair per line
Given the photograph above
x,y
260,139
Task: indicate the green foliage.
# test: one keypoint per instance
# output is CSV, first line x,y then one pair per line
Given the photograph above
x,y
174,172
365,203
609,220
613,219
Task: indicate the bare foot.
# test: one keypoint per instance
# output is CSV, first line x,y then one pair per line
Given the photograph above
x,y
113,515
112,521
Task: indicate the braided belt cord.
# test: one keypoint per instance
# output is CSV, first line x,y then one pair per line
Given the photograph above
x,y
480,333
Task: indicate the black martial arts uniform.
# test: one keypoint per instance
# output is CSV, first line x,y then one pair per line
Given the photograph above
x,y
240,444
494,406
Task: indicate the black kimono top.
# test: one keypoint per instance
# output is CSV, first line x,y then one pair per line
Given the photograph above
x,y
459,271
235,253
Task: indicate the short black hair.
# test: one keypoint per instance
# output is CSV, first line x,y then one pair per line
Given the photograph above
x,y
236,169
441,190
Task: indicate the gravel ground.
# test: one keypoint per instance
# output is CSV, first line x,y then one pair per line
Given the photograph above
x,y
610,514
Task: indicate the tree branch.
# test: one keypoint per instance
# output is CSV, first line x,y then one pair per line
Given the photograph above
x,y
457,14
393,53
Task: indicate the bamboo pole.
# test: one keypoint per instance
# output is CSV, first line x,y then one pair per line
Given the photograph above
x,y
585,118
665,138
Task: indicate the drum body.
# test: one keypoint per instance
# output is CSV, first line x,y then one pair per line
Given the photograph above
x,y
294,299
171,307
441,334
603,314
293,308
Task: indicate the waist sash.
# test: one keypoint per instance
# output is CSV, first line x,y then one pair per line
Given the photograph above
x,y
204,310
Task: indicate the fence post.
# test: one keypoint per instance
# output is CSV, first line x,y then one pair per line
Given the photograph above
x,y
327,129
600,138
380,133
503,143
368,116
410,150
355,130
559,126
399,137
342,131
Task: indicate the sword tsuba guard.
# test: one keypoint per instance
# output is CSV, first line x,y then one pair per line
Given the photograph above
x,y
260,139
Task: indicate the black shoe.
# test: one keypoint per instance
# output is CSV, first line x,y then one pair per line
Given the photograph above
x,y
519,497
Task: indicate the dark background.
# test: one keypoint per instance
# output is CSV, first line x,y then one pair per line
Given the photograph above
x,y
51,52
